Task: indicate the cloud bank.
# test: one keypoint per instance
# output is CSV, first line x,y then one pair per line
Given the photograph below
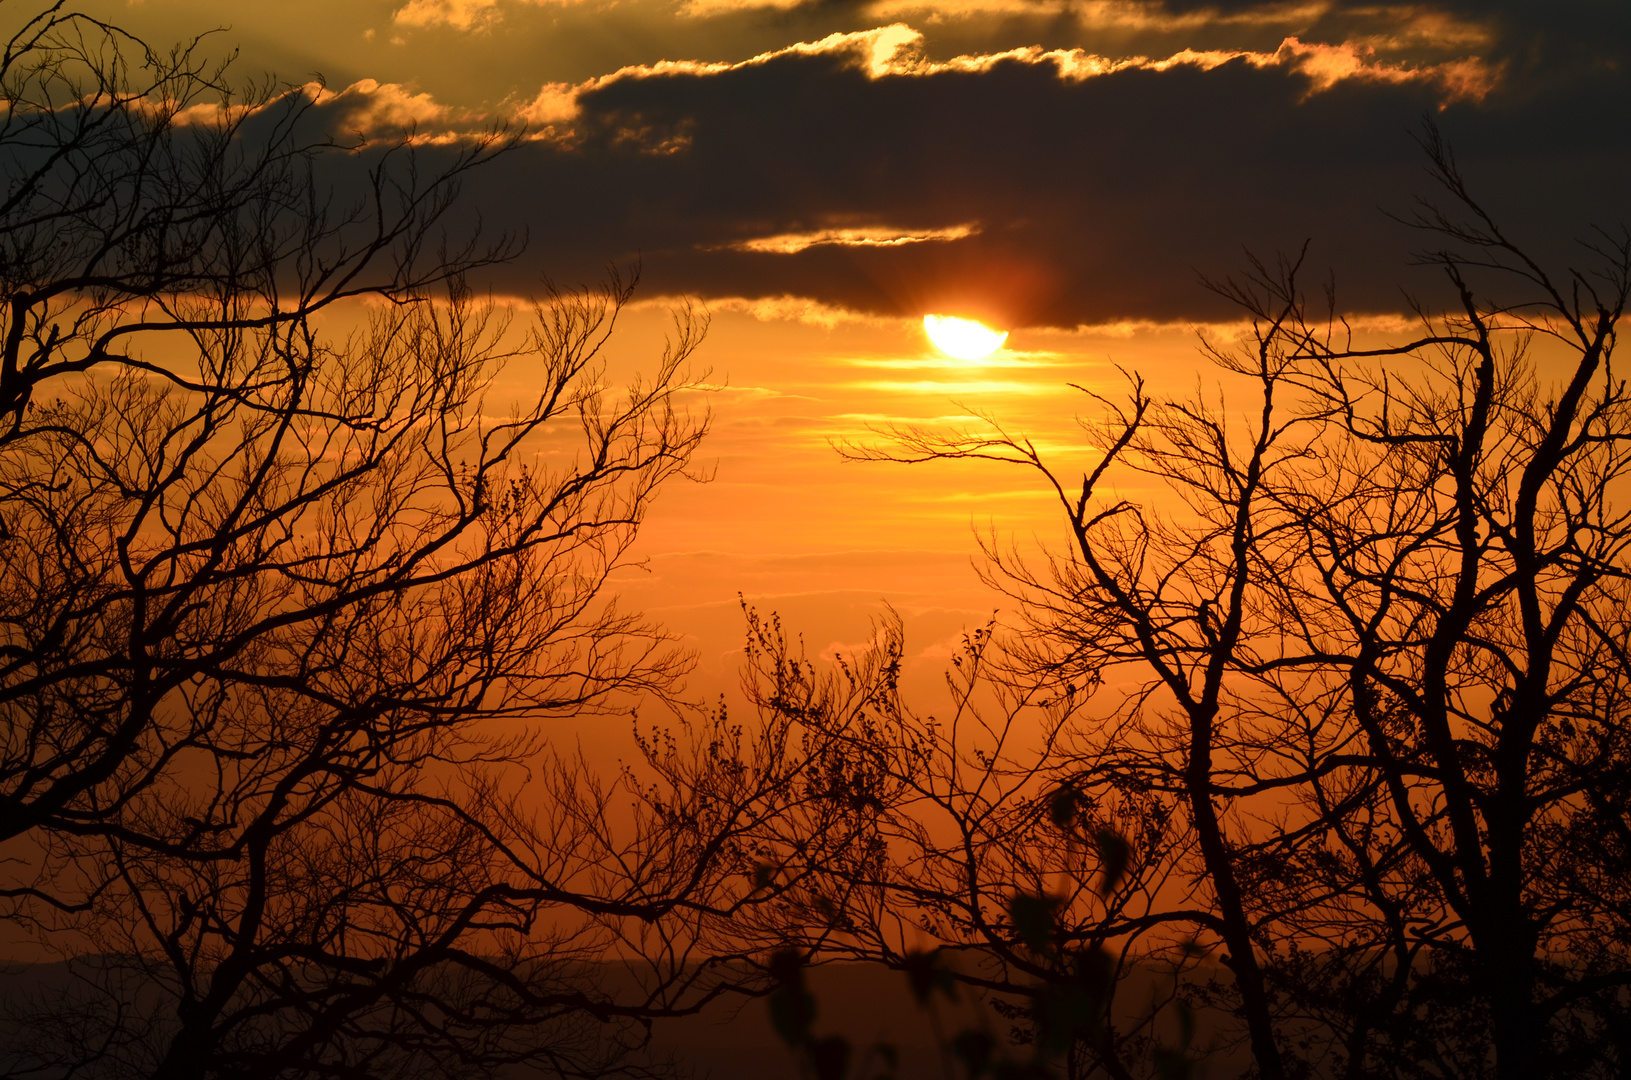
x,y
1043,185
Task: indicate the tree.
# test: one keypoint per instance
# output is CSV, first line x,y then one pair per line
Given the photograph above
x,y
1370,659
1481,621
285,608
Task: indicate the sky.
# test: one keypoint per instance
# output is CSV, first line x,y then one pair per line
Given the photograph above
x,y
820,175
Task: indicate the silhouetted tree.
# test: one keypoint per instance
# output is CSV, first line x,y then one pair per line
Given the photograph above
x,y
1465,580
973,864
285,607
1368,662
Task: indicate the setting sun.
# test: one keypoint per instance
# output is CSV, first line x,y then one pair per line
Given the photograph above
x,y
963,338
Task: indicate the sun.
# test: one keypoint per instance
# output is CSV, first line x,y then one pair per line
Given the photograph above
x,y
963,338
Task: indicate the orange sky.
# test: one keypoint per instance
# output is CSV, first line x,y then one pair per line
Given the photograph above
x,y
795,529
820,175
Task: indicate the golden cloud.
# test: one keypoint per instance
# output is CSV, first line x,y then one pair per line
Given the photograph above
x,y
866,236
459,14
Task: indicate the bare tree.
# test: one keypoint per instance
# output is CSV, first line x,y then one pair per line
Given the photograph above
x,y
285,608
1166,605
1373,651
1469,567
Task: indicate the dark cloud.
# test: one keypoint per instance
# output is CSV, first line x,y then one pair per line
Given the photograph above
x,y
1095,199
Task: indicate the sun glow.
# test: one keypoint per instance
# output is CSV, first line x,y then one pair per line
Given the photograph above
x,y
963,338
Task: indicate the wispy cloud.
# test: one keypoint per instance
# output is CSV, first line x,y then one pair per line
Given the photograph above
x,y
940,363
366,108
971,390
1323,64
704,9
800,309
866,236
465,15
458,14
897,50
876,50
1110,14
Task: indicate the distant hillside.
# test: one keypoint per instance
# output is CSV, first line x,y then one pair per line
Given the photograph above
x,y
863,1002
730,1040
